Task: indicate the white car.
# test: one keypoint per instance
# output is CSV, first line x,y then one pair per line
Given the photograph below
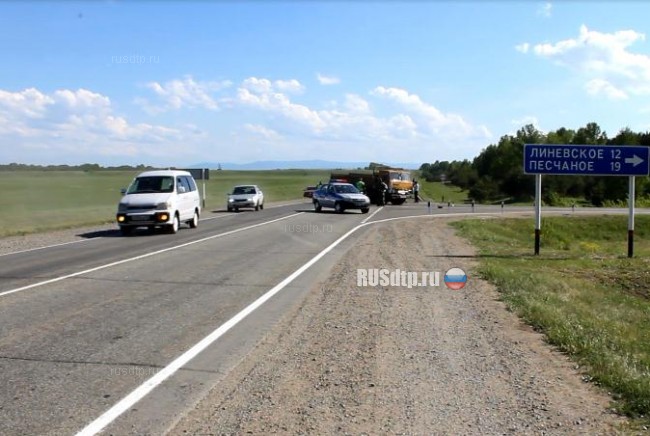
x,y
245,196
164,198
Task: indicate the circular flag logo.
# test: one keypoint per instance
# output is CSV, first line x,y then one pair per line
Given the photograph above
x,y
455,279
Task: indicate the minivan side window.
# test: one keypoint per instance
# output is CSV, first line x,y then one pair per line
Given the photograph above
x,y
190,182
181,181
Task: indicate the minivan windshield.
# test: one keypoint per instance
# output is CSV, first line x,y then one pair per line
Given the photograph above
x,y
151,184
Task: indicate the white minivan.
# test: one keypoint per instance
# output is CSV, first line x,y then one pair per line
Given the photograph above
x,y
163,198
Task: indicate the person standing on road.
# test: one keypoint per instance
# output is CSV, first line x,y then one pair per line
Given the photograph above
x,y
383,187
416,191
361,186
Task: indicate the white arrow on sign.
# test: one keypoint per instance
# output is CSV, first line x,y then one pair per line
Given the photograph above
x,y
634,160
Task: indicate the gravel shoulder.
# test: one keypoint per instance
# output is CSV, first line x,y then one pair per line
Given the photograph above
x,y
32,241
393,360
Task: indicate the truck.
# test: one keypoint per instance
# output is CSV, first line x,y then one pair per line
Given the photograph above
x,y
398,180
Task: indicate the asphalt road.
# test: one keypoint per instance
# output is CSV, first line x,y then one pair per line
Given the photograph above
x,y
84,325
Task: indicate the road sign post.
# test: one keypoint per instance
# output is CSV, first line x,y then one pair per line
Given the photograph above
x,y
630,218
538,211
586,160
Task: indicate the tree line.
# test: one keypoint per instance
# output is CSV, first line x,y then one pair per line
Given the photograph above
x,y
88,167
496,174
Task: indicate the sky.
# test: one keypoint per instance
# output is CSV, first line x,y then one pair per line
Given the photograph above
x,y
175,83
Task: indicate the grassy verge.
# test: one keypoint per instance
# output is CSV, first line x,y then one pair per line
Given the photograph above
x,y
589,299
441,193
35,201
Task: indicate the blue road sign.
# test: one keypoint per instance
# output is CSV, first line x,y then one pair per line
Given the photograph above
x,y
594,160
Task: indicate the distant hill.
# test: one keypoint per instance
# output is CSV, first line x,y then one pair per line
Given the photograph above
x,y
296,164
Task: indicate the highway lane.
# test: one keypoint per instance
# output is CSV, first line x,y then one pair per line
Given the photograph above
x,y
71,349
25,268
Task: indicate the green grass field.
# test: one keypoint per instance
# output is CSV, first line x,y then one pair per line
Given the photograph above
x,y
582,292
439,192
36,201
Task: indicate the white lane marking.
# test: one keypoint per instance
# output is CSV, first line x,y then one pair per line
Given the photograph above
x,y
51,246
214,217
371,215
444,215
85,240
145,388
141,391
100,237
143,256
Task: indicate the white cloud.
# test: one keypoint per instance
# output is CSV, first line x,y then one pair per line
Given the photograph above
x,y
439,124
30,102
289,86
262,132
81,99
599,86
267,86
356,104
410,123
604,60
545,10
327,80
258,85
523,48
403,126
278,120
262,94
75,123
185,93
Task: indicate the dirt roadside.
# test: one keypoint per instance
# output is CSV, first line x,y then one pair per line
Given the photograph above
x,y
392,360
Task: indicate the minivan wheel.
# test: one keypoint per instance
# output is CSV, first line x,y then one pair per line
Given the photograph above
x,y
175,225
194,222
